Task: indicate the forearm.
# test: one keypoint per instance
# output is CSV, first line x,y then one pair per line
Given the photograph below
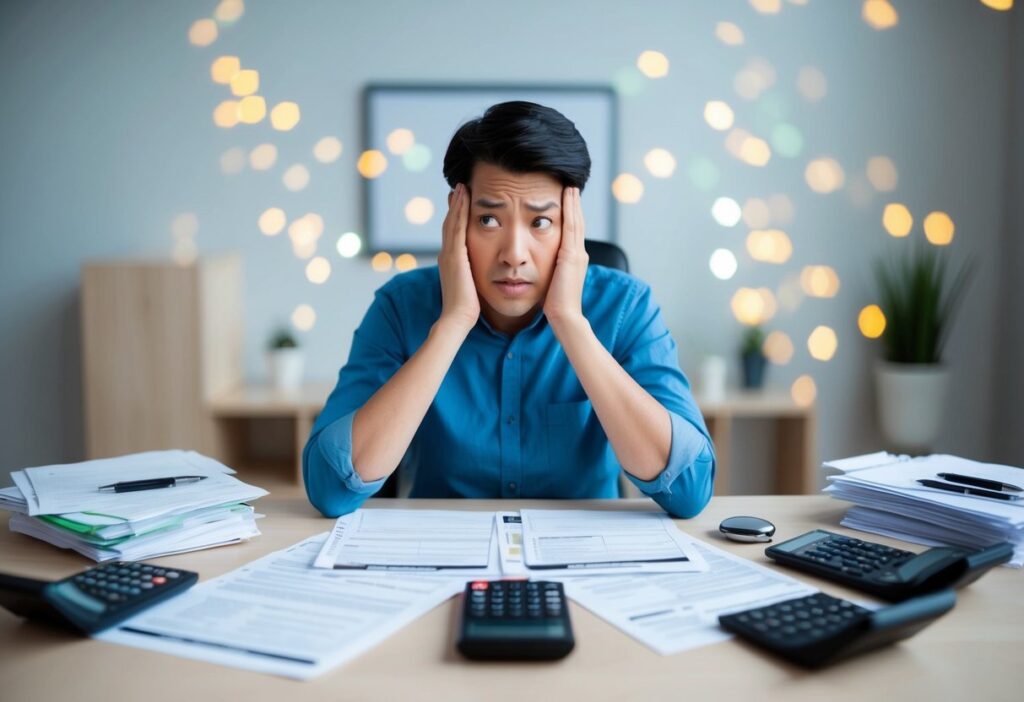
x,y
637,425
383,428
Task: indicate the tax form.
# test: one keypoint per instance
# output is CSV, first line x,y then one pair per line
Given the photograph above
x,y
279,615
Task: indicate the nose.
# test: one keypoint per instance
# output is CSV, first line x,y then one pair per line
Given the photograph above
x,y
515,247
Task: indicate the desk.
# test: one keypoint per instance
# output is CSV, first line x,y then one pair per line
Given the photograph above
x,y
974,652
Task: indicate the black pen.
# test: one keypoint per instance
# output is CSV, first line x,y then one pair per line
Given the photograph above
x,y
978,482
964,490
151,484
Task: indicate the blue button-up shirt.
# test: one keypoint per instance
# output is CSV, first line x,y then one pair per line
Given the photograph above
x,y
511,418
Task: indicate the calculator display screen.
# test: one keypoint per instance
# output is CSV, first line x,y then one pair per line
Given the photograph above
x,y
512,630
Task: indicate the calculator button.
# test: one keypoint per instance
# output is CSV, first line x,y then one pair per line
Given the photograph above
x,y
158,580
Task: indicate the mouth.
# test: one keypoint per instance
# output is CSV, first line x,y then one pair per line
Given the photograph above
x,y
513,287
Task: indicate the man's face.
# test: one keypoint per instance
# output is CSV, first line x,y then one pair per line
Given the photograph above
x,y
512,237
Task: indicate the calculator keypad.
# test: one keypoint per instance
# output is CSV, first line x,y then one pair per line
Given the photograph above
x,y
853,557
799,622
515,599
118,584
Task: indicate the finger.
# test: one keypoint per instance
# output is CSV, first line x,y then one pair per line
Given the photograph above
x,y
448,226
462,218
579,227
567,218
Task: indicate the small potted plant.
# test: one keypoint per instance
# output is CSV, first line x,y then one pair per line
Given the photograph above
x,y
752,357
285,361
918,296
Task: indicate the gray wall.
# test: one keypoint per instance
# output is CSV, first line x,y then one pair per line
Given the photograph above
x,y
107,135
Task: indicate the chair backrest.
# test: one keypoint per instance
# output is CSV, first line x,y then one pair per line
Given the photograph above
x,y
605,253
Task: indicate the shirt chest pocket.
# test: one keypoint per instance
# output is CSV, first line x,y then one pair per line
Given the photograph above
x,y
575,446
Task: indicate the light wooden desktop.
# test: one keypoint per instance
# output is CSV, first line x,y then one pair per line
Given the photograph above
x,y
974,652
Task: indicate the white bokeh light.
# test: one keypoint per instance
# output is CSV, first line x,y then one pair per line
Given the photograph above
x,y
349,244
722,264
726,211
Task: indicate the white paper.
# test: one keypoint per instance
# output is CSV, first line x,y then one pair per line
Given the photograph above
x,y
279,615
679,611
449,542
605,542
868,460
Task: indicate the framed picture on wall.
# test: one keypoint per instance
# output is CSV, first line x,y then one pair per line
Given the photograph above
x,y
405,195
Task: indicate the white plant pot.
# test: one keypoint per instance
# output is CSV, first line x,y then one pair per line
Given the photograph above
x,y
911,404
285,367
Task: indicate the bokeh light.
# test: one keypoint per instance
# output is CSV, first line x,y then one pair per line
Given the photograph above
x,y
660,163
304,234
879,14
405,262
372,163
722,264
400,140
229,11
803,391
819,281
252,109
318,270
233,160
787,140
756,76
202,32
263,157
871,321
627,188
653,64
726,211
778,347
769,246
756,213
224,68
245,82
628,81
327,150
349,245
703,173
285,116
882,174
296,178
781,208
718,115
185,225
1001,5
767,7
417,158
812,84
824,175
226,114
419,210
822,343
790,293
381,262
304,317
272,221
939,228
753,306
897,220
729,33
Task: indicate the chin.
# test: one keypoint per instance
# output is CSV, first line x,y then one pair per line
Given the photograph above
x,y
513,308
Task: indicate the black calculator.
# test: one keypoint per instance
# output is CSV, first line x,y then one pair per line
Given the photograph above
x,y
95,599
883,571
816,630
515,620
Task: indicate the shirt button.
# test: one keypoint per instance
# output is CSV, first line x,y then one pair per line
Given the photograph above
x,y
510,355
512,487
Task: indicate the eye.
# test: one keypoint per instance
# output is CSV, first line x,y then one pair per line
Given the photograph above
x,y
542,223
488,221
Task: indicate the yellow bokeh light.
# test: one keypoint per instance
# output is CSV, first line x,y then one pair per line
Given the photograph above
x,y
224,68
769,246
296,178
245,82
824,175
718,115
778,348
819,281
879,14
729,33
304,234
226,114
653,64
753,306
939,228
272,221
284,116
754,78
229,11
627,188
252,109
327,150
812,84
822,343
756,213
803,391
405,262
871,321
767,7
381,262
318,270
882,173
304,317
400,140
1001,5
897,220
372,163
419,210
755,151
263,157
660,163
203,32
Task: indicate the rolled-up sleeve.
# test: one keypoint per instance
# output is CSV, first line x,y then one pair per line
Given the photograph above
x,y
646,350
332,483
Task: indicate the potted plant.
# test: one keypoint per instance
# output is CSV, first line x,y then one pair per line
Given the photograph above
x,y
752,357
285,361
918,296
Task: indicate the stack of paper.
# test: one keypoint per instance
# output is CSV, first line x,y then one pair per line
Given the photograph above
x,y
890,501
62,505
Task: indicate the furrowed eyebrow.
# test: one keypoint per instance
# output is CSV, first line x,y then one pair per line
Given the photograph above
x,y
542,208
490,204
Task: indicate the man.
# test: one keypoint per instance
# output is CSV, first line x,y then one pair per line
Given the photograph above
x,y
512,368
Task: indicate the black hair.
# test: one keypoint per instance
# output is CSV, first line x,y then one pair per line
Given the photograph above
x,y
522,137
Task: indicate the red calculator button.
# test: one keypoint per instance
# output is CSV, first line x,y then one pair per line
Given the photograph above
x,y
159,580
